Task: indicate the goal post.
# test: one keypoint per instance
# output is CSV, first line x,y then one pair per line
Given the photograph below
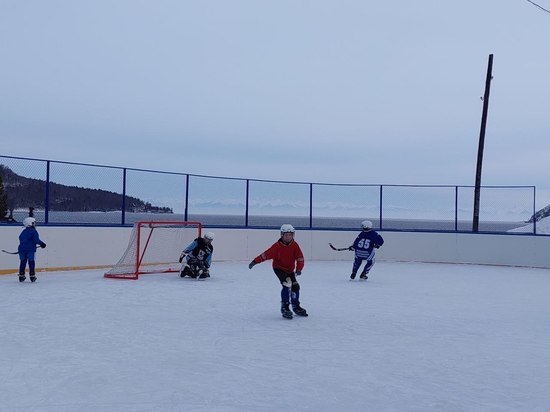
x,y
154,247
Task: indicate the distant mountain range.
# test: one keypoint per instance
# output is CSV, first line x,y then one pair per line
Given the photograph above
x,y
23,192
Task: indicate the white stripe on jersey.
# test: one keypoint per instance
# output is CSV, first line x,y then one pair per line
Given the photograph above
x,y
363,254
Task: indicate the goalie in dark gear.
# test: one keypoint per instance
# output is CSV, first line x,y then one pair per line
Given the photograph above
x,y
198,257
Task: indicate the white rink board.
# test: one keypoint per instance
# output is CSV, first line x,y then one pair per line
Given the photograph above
x,y
81,247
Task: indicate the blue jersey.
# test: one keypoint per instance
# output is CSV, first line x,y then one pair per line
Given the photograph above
x,y
28,239
364,244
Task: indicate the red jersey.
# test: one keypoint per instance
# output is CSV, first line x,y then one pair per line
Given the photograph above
x,y
286,257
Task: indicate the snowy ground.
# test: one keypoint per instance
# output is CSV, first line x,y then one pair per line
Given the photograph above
x,y
543,227
414,337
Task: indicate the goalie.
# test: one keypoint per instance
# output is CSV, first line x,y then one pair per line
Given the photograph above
x,y
198,257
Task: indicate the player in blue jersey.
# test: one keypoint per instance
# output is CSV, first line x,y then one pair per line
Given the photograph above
x,y
28,240
364,246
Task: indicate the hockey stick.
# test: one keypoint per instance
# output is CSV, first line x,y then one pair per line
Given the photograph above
x,y
338,248
13,253
202,268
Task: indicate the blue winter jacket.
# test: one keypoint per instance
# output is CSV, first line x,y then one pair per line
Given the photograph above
x,y
28,239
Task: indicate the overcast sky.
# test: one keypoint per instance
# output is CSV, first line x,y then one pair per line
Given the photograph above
x,y
347,91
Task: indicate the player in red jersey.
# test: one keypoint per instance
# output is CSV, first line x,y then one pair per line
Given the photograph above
x,y
288,262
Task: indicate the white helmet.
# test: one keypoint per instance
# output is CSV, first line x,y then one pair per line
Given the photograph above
x,y
209,236
366,225
29,221
287,228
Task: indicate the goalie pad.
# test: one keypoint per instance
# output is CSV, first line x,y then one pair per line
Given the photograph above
x,y
196,267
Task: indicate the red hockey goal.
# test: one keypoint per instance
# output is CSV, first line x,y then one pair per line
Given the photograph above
x,y
154,247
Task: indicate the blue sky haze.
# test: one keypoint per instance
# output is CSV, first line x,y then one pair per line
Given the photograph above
x,y
346,91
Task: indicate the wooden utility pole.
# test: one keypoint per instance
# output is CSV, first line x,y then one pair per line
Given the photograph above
x,y
475,226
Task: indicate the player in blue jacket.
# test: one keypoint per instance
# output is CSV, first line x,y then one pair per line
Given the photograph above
x,y
198,256
28,240
364,246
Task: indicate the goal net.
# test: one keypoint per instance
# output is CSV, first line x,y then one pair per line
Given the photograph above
x,y
154,247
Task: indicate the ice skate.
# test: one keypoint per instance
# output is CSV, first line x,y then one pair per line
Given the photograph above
x,y
185,272
298,310
285,311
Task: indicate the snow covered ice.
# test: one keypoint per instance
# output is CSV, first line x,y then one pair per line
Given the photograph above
x,y
414,337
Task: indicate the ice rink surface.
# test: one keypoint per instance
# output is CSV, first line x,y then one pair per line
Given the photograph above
x,y
413,337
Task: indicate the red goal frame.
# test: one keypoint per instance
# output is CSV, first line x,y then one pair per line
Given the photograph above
x,y
132,264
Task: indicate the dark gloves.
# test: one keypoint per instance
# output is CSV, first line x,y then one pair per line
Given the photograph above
x,y
182,256
251,265
351,248
42,245
376,246
298,272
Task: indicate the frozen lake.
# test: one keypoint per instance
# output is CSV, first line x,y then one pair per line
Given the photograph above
x,y
332,222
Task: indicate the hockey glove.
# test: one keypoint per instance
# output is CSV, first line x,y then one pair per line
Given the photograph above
x,y
182,256
351,248
42,245
376,246
298,272
251,265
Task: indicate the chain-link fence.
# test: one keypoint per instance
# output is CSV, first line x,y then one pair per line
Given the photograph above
x,y
64,193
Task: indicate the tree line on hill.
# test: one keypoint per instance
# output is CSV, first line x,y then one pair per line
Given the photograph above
x,y
18,192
